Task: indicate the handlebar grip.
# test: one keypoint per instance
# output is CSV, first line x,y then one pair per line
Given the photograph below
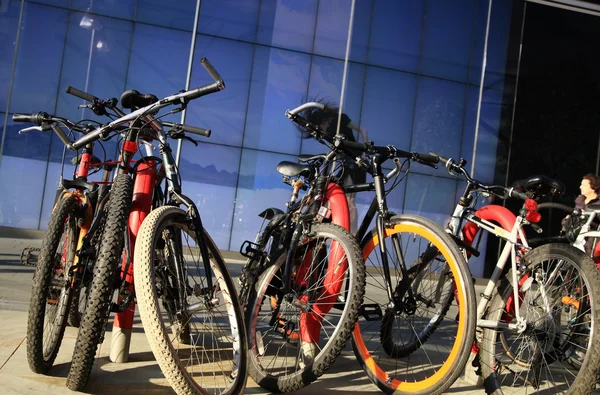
x,y
517,194
81,94
213,73
353,145
37,118
441,158
197,130
428,158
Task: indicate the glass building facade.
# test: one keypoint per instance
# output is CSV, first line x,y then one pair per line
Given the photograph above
x,y
413,79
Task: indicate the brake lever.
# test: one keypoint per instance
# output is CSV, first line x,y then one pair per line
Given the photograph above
x,y
179,134
31,129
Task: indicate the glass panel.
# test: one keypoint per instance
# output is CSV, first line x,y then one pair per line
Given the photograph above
x,y
497,43
9,20
176,14
287,24
209,174
326,85
396,34
223,112
439,114
124,9
57,3
331,34
259,188
21,203
166,73
430,197
279,81
42,37
235,19
447,40
487,142
95,61
388,106
32,145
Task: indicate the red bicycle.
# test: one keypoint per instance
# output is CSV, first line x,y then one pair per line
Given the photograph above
x,y
63,271
187,300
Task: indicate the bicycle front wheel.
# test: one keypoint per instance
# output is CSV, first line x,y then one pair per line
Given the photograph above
x,y
196,333
415,337
51,295
97,310
295,335
555,348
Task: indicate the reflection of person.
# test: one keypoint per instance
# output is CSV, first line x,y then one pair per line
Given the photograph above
x,y
327,119
590,191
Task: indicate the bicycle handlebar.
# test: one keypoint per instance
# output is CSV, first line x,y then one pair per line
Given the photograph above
x,y
179,98
456,169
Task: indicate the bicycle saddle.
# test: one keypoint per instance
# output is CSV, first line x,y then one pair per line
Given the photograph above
x,y
594,207
540,186
309,158
134,99
292,169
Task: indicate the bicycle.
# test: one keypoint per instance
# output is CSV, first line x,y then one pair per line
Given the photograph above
x,y
209,282
385,290
301,287
521,310
67,254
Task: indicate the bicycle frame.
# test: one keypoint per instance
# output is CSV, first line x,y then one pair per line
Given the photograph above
x,y
515,240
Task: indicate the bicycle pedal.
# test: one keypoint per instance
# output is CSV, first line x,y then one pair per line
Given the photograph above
x,y
249,249
371,312
29,256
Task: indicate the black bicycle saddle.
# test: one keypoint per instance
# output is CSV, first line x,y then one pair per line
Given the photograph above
x,y
292,169
134,99
540,186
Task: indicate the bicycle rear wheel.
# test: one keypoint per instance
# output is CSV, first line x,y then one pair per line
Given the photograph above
x,y
51,295
556,350
295,337
419,343
197,334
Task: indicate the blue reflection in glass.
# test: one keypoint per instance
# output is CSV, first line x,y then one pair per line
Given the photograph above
x,y
431,197
331,35
439,114
287,24
396,34
9,20
176,14
279,82
498,44
259,188
118,8
23,158
388,106
159,75
57,3
209,174
447,40
326,83
235,19
224,112
32,145
42,37
95,61
487,140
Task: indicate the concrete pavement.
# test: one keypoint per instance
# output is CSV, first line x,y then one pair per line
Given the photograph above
x,y
141,375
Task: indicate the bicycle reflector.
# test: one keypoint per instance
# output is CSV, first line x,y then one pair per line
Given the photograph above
x,y
532,214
